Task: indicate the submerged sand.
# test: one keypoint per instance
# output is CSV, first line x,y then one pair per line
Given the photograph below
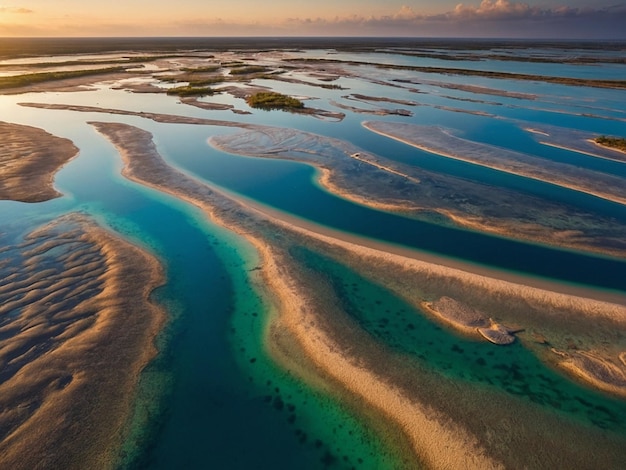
x,y
388,185
78,329
441,142
29,158
442,425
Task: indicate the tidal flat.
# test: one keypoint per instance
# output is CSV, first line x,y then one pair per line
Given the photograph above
x,y
211,284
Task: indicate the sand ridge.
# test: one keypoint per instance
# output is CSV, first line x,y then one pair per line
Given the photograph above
x,y
29,158
81,336
467,205
441,142
298,314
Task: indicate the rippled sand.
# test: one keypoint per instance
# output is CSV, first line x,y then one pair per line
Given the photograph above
x,y
29,158
78,329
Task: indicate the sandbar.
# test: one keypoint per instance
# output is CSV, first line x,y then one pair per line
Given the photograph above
x,y
462,202
75,343
29,158
442,142
413,404
574,141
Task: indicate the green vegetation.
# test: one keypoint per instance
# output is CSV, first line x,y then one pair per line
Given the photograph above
x,y
206,69
190,91
618,143
34,78
271,100
248,70
206,81
70,63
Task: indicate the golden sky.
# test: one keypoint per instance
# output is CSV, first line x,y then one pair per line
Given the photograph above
x,y
502,18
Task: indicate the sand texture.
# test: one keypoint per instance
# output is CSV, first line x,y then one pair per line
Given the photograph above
x,y
29,158
384,184
78,329
439,422
387,185
442,142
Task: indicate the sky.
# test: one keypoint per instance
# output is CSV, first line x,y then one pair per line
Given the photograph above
x,y
558,19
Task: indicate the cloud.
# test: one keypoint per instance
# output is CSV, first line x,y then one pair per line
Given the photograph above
x,y
482,18
488,18
15,10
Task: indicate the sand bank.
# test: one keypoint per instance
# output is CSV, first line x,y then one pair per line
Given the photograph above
x,y
574,141
424,431
385,184
464,203
607,374
428,422
79,337
29,158
442,142
374,111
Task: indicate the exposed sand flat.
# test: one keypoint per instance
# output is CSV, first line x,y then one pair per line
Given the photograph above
x,y
442,142
468,320
460,316
157,117
29,158
462,202
73,84
384,99
576,141
374,111
497,334
441,424
76,346
465,111
428,433
604,373
410,190
195,101
480,90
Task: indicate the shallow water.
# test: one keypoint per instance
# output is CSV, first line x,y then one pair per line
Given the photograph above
x,y
214,396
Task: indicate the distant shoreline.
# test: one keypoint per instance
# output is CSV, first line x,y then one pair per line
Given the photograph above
x,y
24,46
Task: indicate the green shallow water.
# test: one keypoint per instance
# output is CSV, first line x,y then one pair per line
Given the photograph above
x,y
512,369
213,397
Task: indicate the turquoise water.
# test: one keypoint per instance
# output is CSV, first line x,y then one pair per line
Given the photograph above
x,y
514,370
214,397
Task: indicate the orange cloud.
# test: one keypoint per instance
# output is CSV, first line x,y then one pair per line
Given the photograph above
x,y
15,10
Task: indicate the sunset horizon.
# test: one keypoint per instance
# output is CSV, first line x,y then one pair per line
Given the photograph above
x,y
577,19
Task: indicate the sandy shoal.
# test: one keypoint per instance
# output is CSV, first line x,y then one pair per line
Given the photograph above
x,y
70,403
29,159
609,193
427,433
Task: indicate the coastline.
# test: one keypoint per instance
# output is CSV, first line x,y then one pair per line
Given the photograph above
x,y
567,237
320,347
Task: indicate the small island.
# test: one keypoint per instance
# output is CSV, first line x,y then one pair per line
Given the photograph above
x,y
271,100
618,143
190,90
